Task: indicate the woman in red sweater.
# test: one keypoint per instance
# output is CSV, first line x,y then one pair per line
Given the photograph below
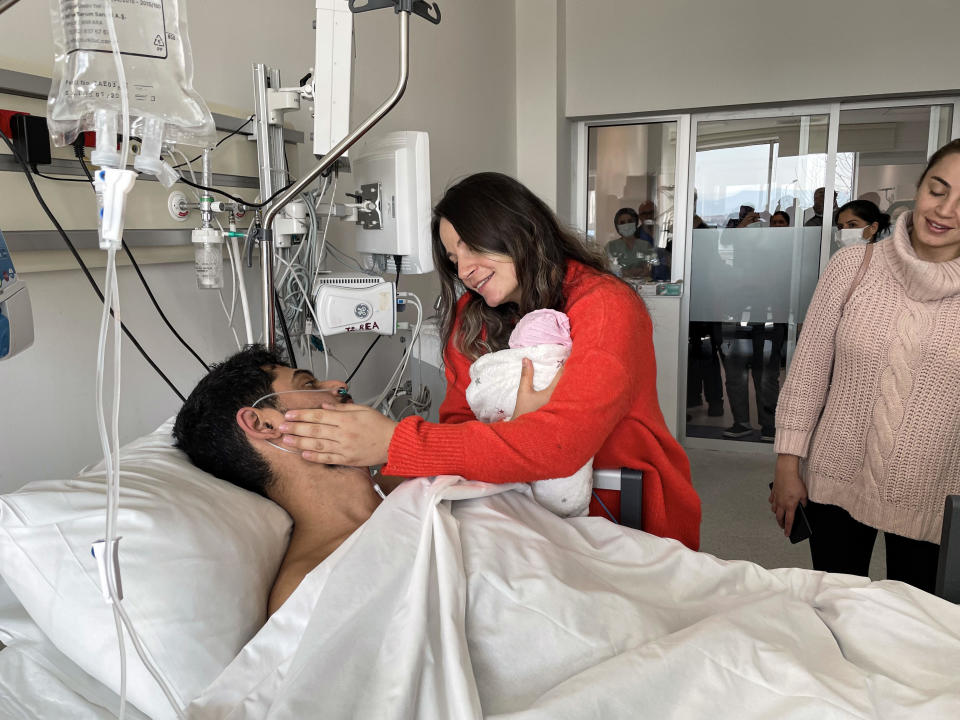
x,y
500,243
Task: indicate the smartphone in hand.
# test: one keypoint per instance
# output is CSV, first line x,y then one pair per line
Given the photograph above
x,y
801,529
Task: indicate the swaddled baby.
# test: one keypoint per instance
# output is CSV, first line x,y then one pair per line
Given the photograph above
x,y
544,337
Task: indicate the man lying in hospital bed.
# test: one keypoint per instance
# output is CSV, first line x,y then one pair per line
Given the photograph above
x,y
451,600
228,427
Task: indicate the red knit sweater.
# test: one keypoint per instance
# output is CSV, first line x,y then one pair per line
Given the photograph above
x,y
604,406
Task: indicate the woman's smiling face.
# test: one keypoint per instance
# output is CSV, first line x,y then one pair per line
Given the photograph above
x,y
936,212
491,275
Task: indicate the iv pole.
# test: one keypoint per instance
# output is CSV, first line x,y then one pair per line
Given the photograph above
x,y
6,5
403,8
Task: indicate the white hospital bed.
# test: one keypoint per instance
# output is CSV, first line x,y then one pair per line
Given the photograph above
x,y
454,600
629,483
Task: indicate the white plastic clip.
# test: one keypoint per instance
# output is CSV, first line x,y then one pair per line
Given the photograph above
x,y
103,557
112,188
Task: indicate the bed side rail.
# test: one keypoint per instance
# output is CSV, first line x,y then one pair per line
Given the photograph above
x,y
630,484
948,567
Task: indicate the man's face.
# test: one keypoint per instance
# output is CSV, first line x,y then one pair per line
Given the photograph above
x,y
647,211
301,390
818,201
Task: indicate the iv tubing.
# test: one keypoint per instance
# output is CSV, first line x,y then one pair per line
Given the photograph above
x,y
108,460
111,446
121,82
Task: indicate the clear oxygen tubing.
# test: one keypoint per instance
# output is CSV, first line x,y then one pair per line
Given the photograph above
x,y
316,321
239,286
396,378
306,242
326,226
237,263
233,299
415,301
376,487
328,161
111,445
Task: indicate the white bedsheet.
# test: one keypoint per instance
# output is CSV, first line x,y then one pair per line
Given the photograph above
x,y
38,682
494,607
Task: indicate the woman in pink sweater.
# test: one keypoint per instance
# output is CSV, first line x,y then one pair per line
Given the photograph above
x,y
868,423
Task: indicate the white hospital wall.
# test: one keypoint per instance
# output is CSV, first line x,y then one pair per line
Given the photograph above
x,y
628,56
541,140
461,90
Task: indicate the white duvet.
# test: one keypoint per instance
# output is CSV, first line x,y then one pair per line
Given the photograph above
x,y
460,600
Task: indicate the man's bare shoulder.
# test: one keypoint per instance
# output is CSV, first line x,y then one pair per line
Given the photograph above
x,y
291,574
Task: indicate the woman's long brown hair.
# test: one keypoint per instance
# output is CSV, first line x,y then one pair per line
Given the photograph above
x,y
493,213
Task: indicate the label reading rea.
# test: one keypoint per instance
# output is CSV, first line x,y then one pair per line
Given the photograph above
x,y
364,326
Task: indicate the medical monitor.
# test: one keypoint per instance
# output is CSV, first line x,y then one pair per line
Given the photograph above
x,y
392,179
332,74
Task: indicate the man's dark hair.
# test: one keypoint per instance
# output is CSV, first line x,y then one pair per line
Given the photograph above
x,y
206,427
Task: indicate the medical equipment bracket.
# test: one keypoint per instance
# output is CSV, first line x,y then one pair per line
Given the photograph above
x,y
417,7
327,163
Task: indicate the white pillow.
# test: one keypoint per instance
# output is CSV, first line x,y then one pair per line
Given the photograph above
x,y
198,558
39,681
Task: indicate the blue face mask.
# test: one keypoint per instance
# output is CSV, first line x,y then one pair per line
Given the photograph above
x,y
627,229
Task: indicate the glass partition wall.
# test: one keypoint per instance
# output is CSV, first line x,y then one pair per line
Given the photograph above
x,y
741,208
755,254
881,152
631,183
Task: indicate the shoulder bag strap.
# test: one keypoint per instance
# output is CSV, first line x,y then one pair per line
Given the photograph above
x,y
867,254
864,264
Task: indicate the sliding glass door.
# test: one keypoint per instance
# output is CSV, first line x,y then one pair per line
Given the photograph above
x,y
765,187
724,222
754,257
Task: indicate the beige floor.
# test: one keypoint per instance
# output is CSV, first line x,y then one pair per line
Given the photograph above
x,y
737,522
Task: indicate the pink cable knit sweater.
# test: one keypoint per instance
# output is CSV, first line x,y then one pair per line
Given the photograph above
x,y
887,445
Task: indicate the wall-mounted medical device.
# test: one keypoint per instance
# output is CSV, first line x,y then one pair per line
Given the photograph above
x,y
16,317
392,177
355,302
332,74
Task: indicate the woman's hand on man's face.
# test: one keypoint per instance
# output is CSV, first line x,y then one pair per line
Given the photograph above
x,y
349,434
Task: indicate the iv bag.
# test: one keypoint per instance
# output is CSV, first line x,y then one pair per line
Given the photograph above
x,y
157,61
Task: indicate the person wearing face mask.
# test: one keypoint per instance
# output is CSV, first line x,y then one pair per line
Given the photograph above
x,y
630,250
646,221
501,253
868,422
658,258
860,221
